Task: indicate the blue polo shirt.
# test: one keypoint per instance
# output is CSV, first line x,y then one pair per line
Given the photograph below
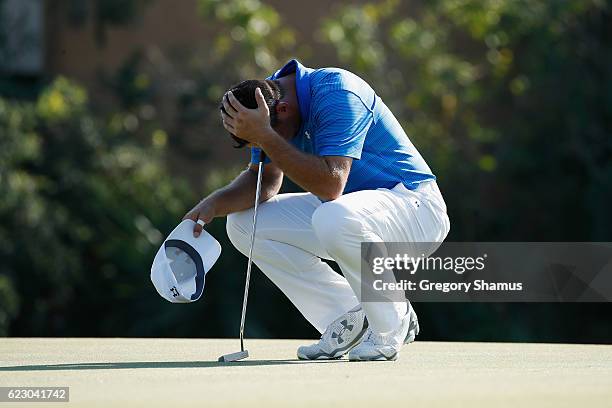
x,y
343,116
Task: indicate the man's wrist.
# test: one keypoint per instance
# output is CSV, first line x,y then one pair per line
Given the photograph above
x,y
268,138
210,203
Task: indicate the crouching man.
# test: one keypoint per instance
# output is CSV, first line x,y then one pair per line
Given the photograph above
x,y
328,131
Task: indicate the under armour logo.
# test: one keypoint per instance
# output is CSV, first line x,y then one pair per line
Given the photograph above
x,y
174,291
345,327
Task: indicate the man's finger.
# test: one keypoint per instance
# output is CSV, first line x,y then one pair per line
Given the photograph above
x,y
261,101
229,108
237,105
229,127
197,229
227,119
190,216
194,216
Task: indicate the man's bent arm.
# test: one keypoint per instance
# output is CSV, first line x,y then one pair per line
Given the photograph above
x,y
238,195
324,176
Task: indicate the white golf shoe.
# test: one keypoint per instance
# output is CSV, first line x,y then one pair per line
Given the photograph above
x,y
378,347
413,327
339,338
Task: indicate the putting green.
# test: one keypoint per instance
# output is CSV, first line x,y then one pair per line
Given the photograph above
x,y
184,372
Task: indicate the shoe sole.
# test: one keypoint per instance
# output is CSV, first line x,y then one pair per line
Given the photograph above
x,y
320,357
379,357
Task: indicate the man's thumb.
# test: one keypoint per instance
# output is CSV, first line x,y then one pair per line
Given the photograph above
x,y
261,101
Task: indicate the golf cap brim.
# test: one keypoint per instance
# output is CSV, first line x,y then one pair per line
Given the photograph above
x,y
182,262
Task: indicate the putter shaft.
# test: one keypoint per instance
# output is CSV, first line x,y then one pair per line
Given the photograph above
x,y
250,262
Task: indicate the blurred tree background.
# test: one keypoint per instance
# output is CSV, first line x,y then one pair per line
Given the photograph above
x,y
510,101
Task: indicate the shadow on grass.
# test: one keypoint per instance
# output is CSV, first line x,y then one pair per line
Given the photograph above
x,y
159,364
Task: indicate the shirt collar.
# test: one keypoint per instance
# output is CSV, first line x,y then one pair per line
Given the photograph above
x,y
302,85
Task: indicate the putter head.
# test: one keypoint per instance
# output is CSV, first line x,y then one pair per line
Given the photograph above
x,y
228,358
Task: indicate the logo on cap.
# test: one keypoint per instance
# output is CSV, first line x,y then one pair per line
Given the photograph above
x,y
174,291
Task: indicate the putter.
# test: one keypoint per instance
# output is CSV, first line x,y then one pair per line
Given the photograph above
x,y
242,354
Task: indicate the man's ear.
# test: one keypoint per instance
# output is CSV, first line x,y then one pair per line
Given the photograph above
x,y
282,107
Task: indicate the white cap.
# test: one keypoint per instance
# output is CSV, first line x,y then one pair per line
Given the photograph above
x,y
182,262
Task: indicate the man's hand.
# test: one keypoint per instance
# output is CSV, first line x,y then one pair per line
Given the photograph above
x,y
248,124
202,211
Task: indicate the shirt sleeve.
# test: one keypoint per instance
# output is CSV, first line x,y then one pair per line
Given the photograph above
x,y
343,121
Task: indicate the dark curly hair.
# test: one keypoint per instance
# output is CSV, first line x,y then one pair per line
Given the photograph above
x,y
245,93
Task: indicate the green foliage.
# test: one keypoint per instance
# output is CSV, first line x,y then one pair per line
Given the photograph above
x,y
80,216
498,94
9,304
250,42
510,101
98,200
61,101
355,34
250,32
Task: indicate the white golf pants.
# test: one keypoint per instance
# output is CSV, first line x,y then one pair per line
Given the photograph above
x,y
294,231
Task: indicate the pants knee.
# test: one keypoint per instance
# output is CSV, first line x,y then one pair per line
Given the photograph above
x,y
238,229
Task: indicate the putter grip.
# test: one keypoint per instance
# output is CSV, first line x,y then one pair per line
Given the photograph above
x,y
262,156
